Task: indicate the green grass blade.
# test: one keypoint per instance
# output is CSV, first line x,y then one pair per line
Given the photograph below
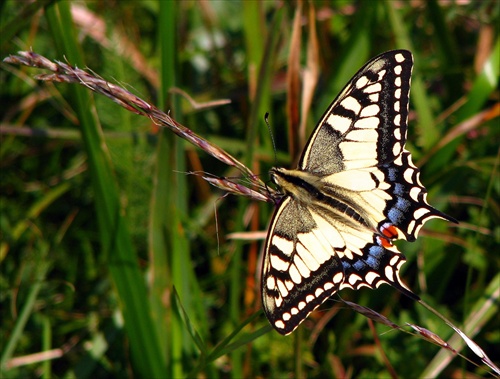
x,y
485,83
116,242
41,269
485,309
428,133
483,86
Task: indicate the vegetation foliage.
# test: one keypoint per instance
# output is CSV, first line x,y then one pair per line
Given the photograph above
x,y
116,263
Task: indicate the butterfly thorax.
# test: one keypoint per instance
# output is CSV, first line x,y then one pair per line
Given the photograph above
x,y
302,186
309,190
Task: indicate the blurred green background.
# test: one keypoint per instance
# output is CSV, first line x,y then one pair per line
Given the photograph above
x,y
114,263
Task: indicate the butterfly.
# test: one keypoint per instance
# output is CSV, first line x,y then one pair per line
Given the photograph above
x,y
355,191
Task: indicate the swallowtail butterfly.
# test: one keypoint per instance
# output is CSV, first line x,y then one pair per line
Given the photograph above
x,y
355,191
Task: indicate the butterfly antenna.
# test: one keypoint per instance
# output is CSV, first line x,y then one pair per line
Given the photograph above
x,y
266,119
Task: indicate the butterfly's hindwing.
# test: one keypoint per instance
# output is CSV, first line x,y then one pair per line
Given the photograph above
x,y
301,269
355,190
379,264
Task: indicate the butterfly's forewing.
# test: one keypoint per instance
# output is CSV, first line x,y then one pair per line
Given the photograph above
x,y
359,146
354,191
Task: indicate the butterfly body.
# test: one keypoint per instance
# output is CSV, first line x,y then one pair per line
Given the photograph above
x,y
354,191
332,201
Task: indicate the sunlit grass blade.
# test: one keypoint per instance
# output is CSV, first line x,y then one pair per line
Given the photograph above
x,y
482,312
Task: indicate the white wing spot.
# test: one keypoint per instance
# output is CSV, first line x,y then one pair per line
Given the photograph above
x,y
398,69
308,258
328,286
271,282
397,82
359,163
295,274
400,263
394,260
367,123
411,226
286,316
353,278
420,212
396,149
289,285
302,305
345,285
377,87
389,273
363,135
294,311
408,174
360,150
278,263
351,104
370,110
282,289
278,301
309,298
371,276
348,254
399,57
318,292
397,120
397,106
381,74
397,133
283,244
380,282
374,97
279,324
342,124
414,193
361,82
301,266
397,93
362,284
320,246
